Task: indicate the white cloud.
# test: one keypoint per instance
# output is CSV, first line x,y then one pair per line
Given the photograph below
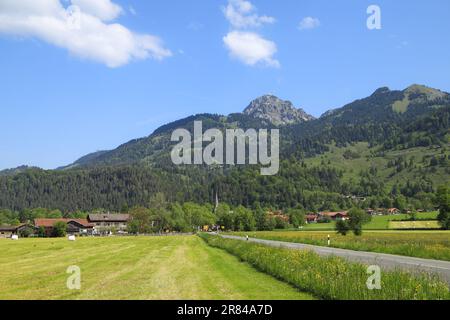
x,y
251,49
309,23
241,14
82,32
103,9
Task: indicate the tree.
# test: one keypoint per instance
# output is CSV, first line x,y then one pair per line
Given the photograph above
x,y
179,218
400,203
225,216
443,201
133,227
342,227
199,215
59,229
41,232
357,218
141,220
297,217
244,219
280,223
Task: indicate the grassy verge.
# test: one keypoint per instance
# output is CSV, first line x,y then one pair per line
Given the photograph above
x,y
420,244
331,278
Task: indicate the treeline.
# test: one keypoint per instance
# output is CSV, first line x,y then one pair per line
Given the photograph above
x,y
114,187
162,216
297,186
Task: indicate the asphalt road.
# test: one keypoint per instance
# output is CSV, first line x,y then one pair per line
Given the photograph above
x,y
384,261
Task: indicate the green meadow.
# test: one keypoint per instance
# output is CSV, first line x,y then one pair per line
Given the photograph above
x,y
385,223
127,268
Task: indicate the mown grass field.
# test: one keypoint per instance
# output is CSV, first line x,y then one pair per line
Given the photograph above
x,y
132,268
409,225
421,244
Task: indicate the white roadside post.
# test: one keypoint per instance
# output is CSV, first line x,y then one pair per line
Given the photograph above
x,y
329,240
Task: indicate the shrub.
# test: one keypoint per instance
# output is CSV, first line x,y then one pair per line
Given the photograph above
x,y
443,201
357,218
59,229
342,227
41,232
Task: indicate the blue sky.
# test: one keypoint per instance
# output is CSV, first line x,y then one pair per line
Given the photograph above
x,y
64,95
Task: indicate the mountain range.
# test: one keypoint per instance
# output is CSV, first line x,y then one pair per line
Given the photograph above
x,y
390,144
383,108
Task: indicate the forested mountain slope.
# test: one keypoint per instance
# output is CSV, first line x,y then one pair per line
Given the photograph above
x,y
391,144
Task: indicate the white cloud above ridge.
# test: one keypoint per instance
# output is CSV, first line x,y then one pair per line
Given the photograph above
x,y
251,49
83,32
308,23
242,14
248,47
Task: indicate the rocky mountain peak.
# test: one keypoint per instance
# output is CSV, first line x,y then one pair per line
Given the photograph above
x,y
277,111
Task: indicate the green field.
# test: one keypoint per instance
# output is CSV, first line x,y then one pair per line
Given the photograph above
x,y
378,222
421,244
132,268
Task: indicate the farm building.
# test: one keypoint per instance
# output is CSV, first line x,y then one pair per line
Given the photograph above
x,y
8,231
392,211
312,218
74,226
278,215
335,216
106,223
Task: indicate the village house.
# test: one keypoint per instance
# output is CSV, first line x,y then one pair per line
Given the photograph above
x,y
335,216
8,231
374,212
312,218
392,211
278,215
108,223
74,226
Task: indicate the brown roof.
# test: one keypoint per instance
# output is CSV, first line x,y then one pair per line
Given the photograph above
x,y
51,222
11,228
8,228
279,215
108,217
334,214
